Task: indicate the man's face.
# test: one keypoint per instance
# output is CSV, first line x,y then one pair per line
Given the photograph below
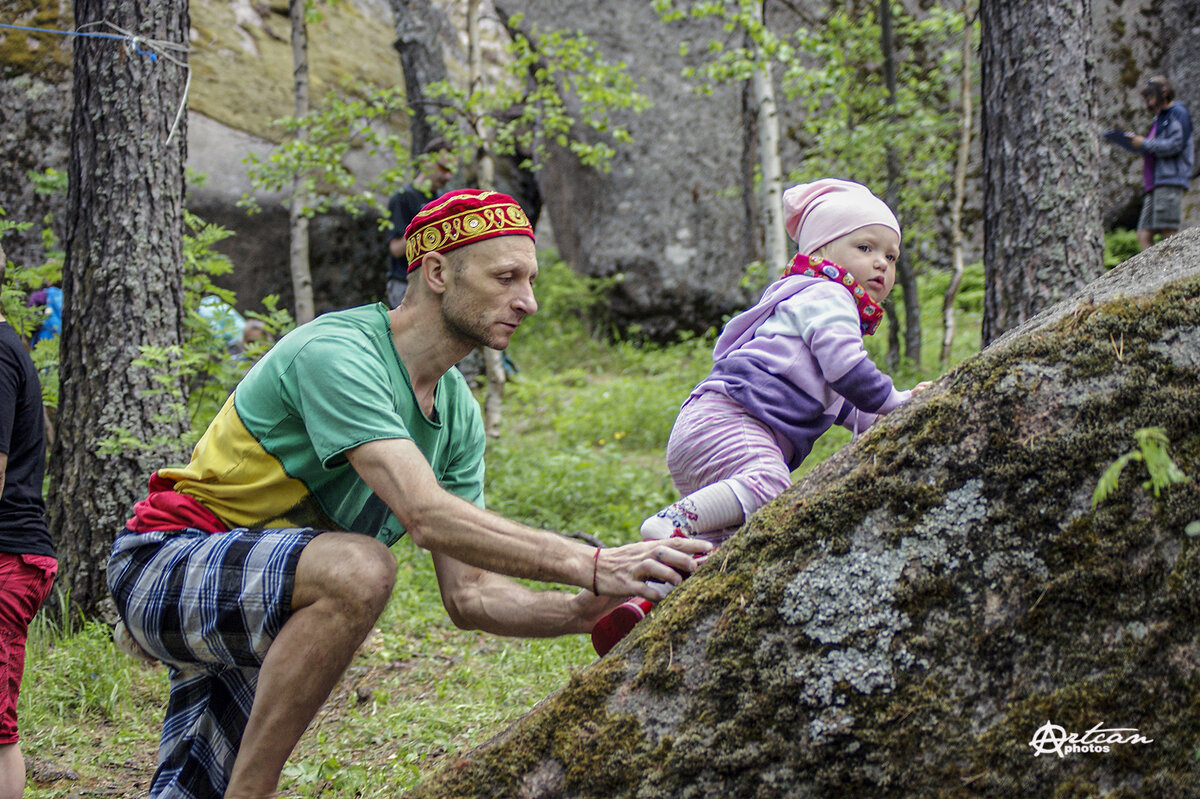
x,y
869,254
441,171
1153,104
489,290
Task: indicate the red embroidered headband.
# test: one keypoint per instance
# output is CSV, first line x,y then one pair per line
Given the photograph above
x,y
463,217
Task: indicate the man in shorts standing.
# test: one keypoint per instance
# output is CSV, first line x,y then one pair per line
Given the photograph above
x,y
1167,162
27,564
255,571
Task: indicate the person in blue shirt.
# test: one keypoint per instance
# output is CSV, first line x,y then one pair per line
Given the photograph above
x,y
1168,154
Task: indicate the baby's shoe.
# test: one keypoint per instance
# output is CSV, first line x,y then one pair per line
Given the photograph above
x,y
676,520
616,625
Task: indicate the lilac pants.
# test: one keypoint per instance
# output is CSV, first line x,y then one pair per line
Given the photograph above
x,y
715,439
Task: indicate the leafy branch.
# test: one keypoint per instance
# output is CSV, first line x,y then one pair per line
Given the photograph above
x,y
557,88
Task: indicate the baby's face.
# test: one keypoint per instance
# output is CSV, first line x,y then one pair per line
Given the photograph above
x,y
869,254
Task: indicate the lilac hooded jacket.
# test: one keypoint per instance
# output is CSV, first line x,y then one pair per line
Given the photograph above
x,y
795,361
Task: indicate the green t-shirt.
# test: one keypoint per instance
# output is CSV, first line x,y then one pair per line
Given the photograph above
x,y
275,455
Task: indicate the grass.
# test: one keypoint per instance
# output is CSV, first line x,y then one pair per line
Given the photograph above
x,y
582,450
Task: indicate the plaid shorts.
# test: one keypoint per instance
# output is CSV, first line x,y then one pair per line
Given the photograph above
x,y
1162,209
209,606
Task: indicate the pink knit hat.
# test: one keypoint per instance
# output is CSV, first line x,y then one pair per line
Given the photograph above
x,y
819,212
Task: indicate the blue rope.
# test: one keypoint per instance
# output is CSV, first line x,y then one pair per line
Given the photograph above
x,y
136,43
65,33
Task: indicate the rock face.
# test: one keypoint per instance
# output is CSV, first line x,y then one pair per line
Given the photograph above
x,y
674,215
671,215
936,609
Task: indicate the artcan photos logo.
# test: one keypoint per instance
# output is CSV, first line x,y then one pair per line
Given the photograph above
x,y
1053,738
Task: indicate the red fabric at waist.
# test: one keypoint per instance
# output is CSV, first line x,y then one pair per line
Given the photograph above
x,y
166,509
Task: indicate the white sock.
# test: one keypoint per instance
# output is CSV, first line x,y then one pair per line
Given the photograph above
x,y
713,507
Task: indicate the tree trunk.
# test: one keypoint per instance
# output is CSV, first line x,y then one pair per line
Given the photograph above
x,y
960,190
775,238
417,41
1042,239
493,360
298,255
122,281
910,616
906,276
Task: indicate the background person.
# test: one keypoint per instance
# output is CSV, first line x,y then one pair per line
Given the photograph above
x,y
350,432
27,562
407,203
1169,152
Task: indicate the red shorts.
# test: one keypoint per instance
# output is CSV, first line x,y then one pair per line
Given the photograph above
x,y
25,582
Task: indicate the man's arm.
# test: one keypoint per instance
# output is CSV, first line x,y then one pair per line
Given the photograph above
x,y
446,525
1167,140
3,470
481,600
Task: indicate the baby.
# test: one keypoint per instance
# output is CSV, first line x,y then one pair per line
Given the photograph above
x,y
784,372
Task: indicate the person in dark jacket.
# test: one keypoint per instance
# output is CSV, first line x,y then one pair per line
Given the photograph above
x,y
1168,155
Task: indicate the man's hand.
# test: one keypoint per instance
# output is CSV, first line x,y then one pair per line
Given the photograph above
x,y
628,571
1135,139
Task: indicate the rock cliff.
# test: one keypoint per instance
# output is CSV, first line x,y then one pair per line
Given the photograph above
x,y
673,215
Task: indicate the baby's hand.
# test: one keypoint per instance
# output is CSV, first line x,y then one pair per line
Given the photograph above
x,y
919,387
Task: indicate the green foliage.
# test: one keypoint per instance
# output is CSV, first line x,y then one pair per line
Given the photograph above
x,y
556,83
1153,449
320,142
20,281
596,490
1119,245
203,369
727,63
849,125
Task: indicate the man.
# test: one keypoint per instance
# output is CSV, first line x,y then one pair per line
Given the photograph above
x,y
27,564
1167,162
354,423
405,204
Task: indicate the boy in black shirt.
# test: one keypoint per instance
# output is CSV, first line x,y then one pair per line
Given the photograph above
x,y
27,564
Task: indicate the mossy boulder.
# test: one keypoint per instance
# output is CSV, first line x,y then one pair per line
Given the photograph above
x,y
908,619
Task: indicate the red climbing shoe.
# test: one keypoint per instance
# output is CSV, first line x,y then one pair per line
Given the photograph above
x,y
616,625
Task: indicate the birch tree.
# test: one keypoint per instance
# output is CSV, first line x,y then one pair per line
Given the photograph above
x,y
749,63
960,185
493,360
298,214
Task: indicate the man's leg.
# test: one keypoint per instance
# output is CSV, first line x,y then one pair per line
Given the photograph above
x,y
343,581
12,771
1145,239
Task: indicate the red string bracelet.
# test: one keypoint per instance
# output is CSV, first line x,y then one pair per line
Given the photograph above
x,y
595,567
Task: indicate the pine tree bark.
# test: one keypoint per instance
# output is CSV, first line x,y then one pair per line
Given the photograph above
x,y
417,42
1041,229
122,280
